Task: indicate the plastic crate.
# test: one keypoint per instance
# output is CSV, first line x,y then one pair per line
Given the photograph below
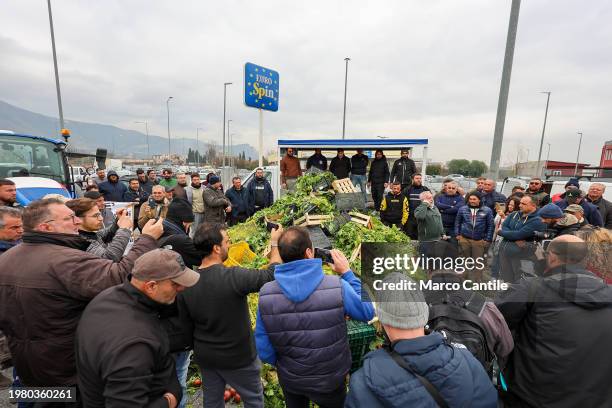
x,y
360,335
238,254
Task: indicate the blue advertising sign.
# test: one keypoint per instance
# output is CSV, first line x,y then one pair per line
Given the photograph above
x,y
260,87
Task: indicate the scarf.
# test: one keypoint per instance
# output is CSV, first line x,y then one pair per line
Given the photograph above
x,y
66,240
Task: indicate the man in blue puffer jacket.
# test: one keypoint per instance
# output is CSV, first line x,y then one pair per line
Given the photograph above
x,y
301,326
459,379
517,248
449,203
474,227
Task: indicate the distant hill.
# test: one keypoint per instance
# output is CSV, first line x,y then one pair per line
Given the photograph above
x,y
121,142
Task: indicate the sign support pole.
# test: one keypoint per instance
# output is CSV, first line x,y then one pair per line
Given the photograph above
x,y
260,137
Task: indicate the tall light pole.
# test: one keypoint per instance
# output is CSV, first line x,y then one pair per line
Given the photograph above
x,y
57,84
147,130
224,107
504,89
228,141
547,157
168,110
578,155
232,158
539,173
198,145
345,86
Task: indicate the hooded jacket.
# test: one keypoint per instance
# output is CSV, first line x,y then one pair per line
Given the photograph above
x,y
449,206
454,372
112,191
591,213
260,194
379,171
303,309
478,226
561,356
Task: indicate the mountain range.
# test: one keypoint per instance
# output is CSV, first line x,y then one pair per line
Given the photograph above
x,y
89,136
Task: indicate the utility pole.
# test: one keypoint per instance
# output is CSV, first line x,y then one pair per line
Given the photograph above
x,y
504,89
198,145
57,83
540,171
345,87
228,142
578,155
224,108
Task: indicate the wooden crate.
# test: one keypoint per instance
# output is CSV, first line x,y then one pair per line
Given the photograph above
x,y
344,186
362,219
356,253
308,220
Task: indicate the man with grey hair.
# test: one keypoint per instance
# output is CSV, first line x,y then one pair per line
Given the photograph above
x,y
11,228
595,197
489,196
416,369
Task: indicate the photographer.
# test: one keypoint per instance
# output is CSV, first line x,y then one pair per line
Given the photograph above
x,y
301,326
157,206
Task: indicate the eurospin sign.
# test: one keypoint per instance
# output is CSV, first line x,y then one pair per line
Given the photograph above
x,y
261,87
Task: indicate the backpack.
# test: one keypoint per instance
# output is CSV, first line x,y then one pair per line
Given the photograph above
x,y
455,315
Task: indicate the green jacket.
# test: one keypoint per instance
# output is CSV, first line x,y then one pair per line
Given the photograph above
x,y
429,222
167,183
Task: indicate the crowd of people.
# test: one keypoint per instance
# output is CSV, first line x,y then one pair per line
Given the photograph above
x,y
121,321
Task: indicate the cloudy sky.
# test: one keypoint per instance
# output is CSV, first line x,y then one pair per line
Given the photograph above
x,y
419,69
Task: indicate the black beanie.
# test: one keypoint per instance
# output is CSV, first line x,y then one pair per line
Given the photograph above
x,y
179,210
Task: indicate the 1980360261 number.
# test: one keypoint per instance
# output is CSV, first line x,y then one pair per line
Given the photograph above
x,y
42,394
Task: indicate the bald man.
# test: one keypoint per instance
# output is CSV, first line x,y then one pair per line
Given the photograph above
x,y
560,334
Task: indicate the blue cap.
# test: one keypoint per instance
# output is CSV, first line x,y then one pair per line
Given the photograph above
x,y
551,211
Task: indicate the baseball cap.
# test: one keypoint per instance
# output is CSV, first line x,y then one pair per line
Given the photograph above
x,y
161,264
574,208
573,194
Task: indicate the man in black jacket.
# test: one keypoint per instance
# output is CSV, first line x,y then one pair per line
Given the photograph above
x,y
560,331
340,165
122,351
378,177
317,160
403,169
359,168
224,347
413,193
135,194
260,191
239,199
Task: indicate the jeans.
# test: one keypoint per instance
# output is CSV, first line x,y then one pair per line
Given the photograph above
x,y
198,218
182,360
245,380
361,181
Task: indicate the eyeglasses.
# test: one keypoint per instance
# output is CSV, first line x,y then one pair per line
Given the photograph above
x,y
96,215
68,218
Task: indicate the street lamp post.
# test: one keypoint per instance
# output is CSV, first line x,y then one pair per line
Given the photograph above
x,y
147,130
228,142
345,86
224,107
232,158
539,173
198,145
578,155
57,83
168,110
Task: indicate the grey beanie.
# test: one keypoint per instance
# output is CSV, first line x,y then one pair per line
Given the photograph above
x,y
402,308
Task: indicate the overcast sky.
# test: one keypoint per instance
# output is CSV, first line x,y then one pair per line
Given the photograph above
x,y
419,69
